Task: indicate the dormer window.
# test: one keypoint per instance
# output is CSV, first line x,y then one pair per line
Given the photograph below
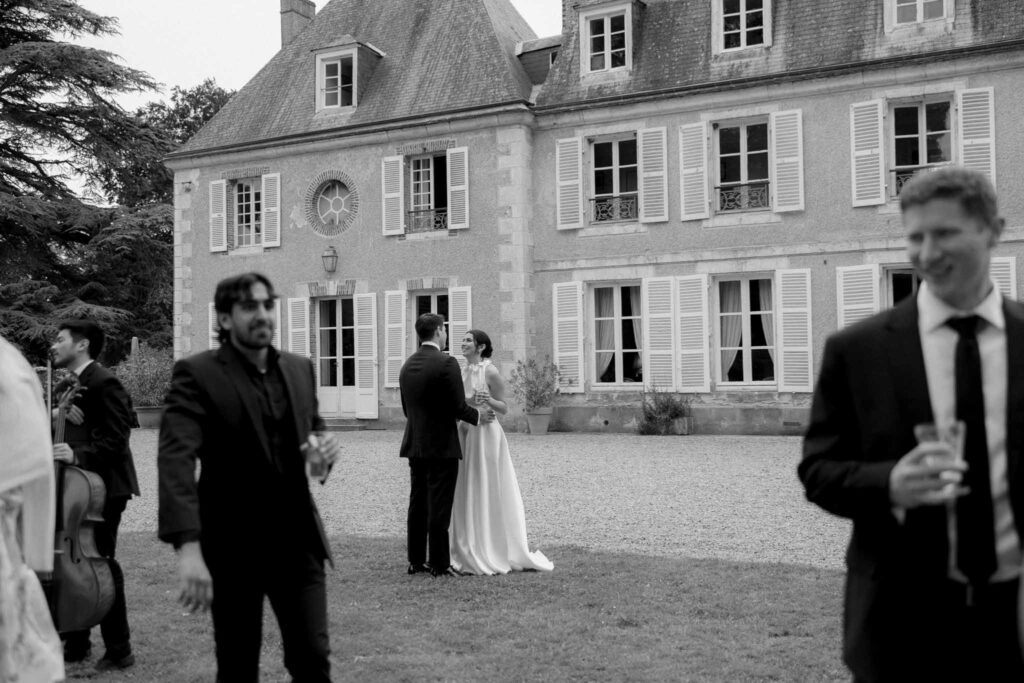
x,y
739,25
607,40
916,11
932,16
335,80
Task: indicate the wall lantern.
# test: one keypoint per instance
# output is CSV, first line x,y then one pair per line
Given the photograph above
x,y
330,259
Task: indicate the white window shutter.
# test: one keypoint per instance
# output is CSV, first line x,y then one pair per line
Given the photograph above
x,y
793,351
1003,271
659,333
271,210
569,174
366,356
458,188
460,320
275,339
693,171
652,143
867,152
218,215
214,328
393,195
694,333
567,306
857,293
394,336
787,161
977,134
298,326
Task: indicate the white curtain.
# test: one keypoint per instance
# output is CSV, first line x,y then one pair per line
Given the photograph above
x,y
604,307
767,321
732,325
638,334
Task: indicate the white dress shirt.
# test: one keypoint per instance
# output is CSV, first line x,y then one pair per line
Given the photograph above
x,y
938,342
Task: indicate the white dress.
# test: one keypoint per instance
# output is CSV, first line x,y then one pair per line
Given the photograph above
x,y
488,527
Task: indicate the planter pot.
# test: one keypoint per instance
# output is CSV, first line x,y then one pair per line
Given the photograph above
x,y
149,416
679,426
538,420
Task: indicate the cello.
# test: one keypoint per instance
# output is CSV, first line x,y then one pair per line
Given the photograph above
x,y
83,582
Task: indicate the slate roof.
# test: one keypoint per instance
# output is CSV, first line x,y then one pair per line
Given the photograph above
x,y
673,48
440,56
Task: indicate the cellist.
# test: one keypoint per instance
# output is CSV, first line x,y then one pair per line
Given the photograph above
x,y
97,440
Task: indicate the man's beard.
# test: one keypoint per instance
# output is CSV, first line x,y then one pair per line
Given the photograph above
x,y
252,341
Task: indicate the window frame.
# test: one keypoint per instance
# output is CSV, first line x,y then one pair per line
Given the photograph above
x,y
718,28
438,182
716,157
893,183
339,328
891,25
254,215
616,169
719,373
606,13
619,351
336,56
434,295
888,271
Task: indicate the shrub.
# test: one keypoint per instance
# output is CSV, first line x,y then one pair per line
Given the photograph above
x,y
534,384
146,375
659,409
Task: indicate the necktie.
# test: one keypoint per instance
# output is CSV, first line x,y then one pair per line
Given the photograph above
x,y
976,542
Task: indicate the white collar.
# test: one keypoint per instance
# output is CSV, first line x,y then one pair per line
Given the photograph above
x,y
430,343
933,312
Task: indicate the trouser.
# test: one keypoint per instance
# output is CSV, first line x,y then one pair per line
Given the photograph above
x,y
294,583
114,627
430,509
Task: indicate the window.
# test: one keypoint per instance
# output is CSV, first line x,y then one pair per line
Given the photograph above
x,y
333,203
248,213
921,138
433,303
743,23
615,181
742,167
745,329
618,342
900,284
335,80
337,343
428,187
606,41
916,11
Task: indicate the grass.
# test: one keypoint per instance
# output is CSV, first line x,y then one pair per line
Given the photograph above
x,y
599,616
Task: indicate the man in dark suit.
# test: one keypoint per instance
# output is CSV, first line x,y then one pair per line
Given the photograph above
x,y
249,528
934,557
96,439
433,400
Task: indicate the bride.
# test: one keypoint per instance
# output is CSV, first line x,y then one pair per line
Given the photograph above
x,y
488,527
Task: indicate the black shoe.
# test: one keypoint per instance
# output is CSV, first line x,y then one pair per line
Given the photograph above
x,y
418,568
108,663
74,654
450,571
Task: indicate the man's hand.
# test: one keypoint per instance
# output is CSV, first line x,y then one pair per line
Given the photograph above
x,y
196,583
74,415
927,475
330,451
63,453
486,415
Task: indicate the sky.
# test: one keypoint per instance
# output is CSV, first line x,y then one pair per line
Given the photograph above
x,y
183,42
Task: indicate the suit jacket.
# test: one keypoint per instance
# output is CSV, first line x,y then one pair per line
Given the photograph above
x,y
244,496
871,391
433,400
101,442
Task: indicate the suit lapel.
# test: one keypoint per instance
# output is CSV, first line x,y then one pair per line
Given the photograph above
x,y
1015,406
246,394
906,367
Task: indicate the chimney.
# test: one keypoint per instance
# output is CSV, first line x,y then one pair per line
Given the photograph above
x,y
295,16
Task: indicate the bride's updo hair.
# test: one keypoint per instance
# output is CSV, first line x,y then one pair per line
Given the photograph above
x,y
480,337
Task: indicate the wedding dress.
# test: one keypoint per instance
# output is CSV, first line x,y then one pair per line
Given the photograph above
x,y
488,527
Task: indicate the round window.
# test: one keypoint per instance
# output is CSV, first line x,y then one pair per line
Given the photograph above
x,y
332,203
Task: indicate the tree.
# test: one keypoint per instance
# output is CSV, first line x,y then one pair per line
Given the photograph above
x,y
56,107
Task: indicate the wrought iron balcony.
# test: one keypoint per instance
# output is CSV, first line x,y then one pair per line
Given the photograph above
x,y
744,196
620,207
901,175
427,220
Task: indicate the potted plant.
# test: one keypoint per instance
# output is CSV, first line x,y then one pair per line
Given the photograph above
x,y
146,376
535,385
664,413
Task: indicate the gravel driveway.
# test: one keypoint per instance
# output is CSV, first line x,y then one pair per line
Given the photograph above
x,y
726,497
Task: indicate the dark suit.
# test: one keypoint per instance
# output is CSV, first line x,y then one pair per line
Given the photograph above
x,y
101,445
433,400
251,511
901,620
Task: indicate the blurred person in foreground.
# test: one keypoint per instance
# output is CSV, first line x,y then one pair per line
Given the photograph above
x,y
30,648
249,527
934,558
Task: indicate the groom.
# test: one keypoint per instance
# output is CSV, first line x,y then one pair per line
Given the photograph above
x,y
433,400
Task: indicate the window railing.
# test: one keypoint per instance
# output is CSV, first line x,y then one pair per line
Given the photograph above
x,y
427,220
901,175
620,207
744,196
